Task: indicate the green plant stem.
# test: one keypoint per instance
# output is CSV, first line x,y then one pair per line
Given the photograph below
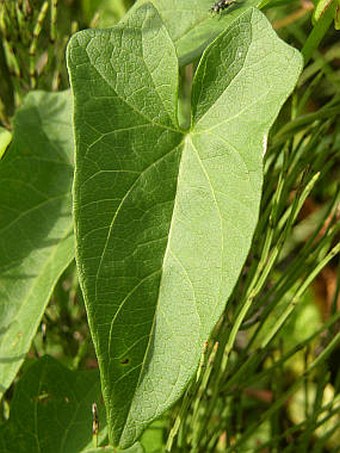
x,y
292,389
306,120
257,356
34,42
53,27
318,32
298,295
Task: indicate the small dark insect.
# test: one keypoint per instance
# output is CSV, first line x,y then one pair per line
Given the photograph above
x,y
221,5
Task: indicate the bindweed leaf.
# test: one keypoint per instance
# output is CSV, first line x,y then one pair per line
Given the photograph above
x,y
51,410
36,228
165,217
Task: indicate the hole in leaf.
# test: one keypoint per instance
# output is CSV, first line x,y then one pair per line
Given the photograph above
x,y
125,361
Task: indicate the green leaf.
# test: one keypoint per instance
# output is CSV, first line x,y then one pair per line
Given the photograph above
x,y
36,238
153,437
164,218
326,12
101,450
320,9
135,448
191,24
51,410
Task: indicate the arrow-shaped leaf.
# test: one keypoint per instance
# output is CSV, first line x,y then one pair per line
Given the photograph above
x,y
164,217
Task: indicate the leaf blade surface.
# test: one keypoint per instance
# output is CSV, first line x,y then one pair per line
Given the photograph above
x,y
132,222
51,410
36,228
160,250
192,25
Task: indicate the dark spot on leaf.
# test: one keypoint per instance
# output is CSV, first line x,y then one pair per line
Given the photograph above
x,y
125,361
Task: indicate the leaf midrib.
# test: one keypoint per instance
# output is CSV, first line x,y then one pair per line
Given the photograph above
x,y
120,206
151,332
